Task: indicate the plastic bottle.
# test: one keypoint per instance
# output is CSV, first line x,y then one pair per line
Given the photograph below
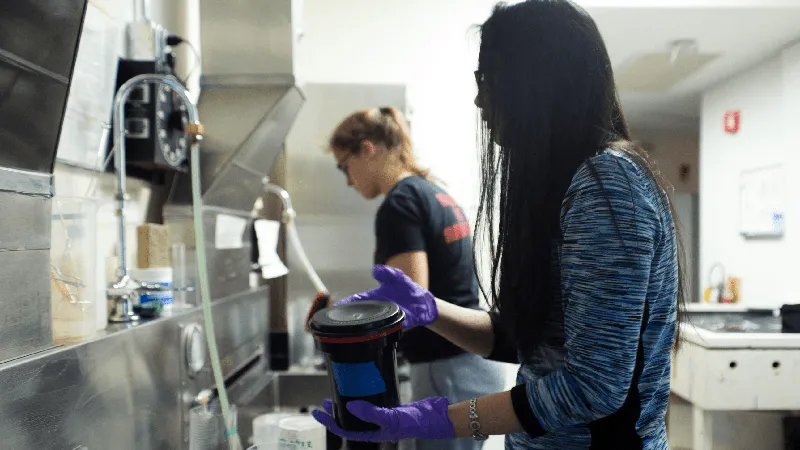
x,y
161,276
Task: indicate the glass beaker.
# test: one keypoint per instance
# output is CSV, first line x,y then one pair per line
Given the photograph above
x,y
180,277
73,263
207,427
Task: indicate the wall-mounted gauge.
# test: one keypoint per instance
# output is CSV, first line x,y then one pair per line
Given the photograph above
x,y
171,118
194,342
155,120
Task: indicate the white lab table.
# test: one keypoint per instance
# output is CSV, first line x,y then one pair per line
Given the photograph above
x,y
721,372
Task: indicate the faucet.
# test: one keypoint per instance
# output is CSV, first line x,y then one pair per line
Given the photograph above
x,y
721,285
288,213
288,219
121,292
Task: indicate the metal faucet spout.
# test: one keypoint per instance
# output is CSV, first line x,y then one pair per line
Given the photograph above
x,y
286,201
193,129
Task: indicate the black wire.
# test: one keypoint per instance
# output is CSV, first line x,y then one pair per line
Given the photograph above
x,y
174,40
196,61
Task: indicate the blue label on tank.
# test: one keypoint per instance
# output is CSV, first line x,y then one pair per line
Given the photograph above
x,y
358,380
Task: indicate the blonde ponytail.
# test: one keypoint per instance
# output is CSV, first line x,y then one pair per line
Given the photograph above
x,y
386,126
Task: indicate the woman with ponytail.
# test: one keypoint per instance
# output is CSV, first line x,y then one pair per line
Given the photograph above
x,y
423,232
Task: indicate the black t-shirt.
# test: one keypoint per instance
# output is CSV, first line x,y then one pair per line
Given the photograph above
x,y
417,215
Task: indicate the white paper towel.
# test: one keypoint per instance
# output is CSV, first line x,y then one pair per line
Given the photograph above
x,y
268,259
301,432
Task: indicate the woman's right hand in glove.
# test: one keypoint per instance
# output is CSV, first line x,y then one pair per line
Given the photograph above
x,y
417,302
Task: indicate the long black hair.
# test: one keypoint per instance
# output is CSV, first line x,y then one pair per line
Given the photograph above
x,y
549,103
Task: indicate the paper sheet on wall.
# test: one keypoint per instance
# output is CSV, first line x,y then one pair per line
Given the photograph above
x,y
229,232
92,90
762,202
268,259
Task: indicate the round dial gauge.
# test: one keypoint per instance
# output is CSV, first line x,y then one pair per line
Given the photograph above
x,y
171,117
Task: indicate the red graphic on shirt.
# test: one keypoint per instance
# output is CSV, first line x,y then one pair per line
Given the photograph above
x,y
461,229
456,232
446,200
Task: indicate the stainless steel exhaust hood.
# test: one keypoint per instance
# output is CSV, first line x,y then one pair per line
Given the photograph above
x,y
248,98
248,103
245,128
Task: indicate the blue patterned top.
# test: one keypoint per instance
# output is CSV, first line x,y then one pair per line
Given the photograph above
x,y
616,322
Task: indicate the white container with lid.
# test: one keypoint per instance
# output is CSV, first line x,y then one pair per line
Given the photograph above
x,y
301,432
155,275
266,430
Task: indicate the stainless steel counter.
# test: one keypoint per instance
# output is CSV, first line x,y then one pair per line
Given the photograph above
x,y
737,322
737,329
130,388
25,325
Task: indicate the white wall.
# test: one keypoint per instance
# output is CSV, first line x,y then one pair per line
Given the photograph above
x,y
670,151
767,96
432,48
426,45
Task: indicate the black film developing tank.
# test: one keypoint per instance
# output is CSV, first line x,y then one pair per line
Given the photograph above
x,y
359,340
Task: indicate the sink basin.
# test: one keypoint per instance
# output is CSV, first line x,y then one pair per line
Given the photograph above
x,y
745,322
287,392
296,389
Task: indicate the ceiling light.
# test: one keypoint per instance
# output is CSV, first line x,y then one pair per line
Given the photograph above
x,y
681,47
660,71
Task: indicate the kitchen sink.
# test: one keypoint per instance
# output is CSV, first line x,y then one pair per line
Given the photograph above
x,y
293,391
743,322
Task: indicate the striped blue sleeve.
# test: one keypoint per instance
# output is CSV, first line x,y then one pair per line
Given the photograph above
x,y
605,269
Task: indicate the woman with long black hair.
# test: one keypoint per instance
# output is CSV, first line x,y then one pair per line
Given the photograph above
x,y
585,285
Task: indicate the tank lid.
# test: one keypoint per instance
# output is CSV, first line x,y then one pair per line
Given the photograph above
x,y
356,320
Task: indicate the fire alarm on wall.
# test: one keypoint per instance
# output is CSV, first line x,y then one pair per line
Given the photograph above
x,y
732,121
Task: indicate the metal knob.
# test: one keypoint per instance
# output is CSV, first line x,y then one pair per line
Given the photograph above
x,y
194,349
122,311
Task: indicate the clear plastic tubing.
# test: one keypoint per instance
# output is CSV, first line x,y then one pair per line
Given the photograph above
x,y
294,239
205,296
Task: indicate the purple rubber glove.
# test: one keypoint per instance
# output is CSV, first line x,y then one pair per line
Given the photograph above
x,y
425,419
417,302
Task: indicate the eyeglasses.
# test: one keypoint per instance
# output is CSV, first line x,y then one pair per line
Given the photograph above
x,y
342,164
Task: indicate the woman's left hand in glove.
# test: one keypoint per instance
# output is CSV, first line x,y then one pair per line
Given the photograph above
x,y
424,419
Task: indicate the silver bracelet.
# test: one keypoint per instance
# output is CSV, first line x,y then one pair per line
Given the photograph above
x,y
474,424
